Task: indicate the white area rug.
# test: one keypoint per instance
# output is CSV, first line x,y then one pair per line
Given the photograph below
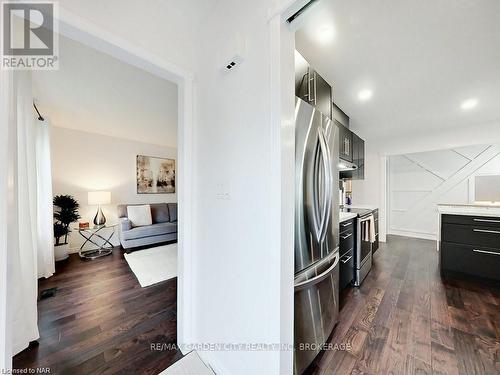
x,y
191,364
152,266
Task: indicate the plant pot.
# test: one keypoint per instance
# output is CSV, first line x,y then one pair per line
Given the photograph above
x,y
61,252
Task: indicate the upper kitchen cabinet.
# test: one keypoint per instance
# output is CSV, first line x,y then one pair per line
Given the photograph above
x,y
352,148
358,160
358,157
359,145
345,135
345,139
311,87
340,116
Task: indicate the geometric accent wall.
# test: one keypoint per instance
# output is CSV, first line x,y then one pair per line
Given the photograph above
x,y
418,182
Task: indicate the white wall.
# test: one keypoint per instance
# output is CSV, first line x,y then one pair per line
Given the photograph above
x,y
238,259
83,162
420,181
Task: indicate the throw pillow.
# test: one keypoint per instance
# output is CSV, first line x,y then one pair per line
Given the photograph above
x,y
139,216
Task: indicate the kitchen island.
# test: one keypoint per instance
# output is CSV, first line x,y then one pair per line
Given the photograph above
x,y
469,241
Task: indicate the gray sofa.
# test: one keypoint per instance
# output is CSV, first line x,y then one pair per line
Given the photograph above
x,y
163,229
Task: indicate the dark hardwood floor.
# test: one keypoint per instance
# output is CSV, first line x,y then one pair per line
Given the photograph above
x,y
405,320
102,322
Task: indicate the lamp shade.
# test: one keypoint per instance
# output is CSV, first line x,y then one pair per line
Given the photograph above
x,y
99,197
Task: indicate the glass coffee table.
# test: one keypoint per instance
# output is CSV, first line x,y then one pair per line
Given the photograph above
x,y
99,236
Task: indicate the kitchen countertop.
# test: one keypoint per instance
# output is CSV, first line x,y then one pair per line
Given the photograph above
x,y
362,206
344,216
469,209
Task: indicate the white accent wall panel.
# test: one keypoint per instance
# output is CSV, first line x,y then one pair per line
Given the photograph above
x,y
417,182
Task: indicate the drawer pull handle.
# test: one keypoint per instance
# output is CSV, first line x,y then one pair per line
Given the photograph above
x,y
487,231
347,260
349,235
486,252
348,224
487,221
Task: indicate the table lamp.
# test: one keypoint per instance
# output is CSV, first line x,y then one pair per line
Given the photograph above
x,y
99,198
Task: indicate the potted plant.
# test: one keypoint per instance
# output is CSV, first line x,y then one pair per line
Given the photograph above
x,y
65,213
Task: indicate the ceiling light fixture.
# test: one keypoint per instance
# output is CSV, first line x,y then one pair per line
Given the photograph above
x,y
365,95
326,34
469,104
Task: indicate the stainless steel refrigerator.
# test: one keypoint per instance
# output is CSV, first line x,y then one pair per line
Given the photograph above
x,y
316,232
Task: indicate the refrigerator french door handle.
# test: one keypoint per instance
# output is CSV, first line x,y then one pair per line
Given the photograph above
x,y
316,214
327,188
318,278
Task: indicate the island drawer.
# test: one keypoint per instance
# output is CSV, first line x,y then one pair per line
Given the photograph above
x,y
493,222
473,235
478,261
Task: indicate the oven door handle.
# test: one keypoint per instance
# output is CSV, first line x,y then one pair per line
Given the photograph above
x,y
365,219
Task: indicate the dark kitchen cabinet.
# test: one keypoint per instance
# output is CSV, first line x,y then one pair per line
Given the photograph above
x,y
322,95
340,116
347,245
345,139
345,135
358,157
311,87
470,245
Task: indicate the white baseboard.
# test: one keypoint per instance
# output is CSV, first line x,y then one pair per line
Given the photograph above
x,y
425,236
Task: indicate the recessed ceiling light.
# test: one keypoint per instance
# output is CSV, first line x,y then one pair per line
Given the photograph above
x,y
469,103
365,94
326,34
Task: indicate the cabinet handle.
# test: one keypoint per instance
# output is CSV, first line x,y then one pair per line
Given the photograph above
x,y
487,231
485,252
346,237
311,77
309,86
487,221
346,225
315,89
347,260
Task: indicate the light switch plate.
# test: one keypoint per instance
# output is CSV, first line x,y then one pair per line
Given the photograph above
x,y
223,191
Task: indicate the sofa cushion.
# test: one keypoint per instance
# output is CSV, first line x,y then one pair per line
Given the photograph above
x,y
122,210
140,215
159,213
150,231
172,210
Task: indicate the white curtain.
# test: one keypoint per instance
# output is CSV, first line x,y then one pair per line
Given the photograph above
x,y
5,192
45,233
23,274
29,220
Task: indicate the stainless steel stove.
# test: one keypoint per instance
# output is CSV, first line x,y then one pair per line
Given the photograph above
x,y
363,253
